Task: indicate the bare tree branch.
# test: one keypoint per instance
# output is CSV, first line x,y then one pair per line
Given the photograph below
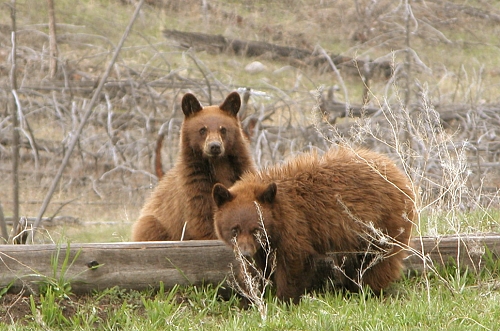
x,y
88,112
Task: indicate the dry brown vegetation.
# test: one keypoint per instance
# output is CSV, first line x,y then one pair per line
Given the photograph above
x,y
436,109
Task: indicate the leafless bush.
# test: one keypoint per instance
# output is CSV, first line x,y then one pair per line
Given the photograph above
x,y
437,163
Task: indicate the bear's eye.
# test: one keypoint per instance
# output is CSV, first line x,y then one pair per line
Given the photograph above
x,y
256,233
203,131
223,130
234,232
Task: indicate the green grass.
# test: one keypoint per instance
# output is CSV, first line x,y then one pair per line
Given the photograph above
x,y
411,305
453,299
89,233
449,222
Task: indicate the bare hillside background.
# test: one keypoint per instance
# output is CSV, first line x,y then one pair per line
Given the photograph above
x,y
418,80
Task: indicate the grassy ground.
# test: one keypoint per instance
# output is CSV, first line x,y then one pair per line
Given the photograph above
x,y
462,303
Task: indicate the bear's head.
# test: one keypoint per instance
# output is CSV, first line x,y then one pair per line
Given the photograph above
x,y
211,131
243,213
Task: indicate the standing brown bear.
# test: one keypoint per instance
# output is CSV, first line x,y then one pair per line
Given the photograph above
x,y
344,201
213,150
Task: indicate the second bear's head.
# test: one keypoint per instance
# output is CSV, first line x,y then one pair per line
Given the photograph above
x,y
244,217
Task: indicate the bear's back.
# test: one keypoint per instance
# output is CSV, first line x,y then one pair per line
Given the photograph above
x,y
332,197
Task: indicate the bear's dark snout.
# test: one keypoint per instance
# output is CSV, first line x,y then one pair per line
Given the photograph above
x,y
214,147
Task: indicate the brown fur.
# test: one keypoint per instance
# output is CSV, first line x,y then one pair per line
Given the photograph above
x,y
212,150
306,204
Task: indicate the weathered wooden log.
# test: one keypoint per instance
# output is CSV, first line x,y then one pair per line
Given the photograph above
x,y
467,250
297,56
144,265
127,265
488,15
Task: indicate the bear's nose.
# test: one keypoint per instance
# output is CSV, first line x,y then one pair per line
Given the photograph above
x,y
214,148
247,254
247,250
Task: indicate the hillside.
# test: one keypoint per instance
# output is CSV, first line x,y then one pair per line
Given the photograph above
x,y
434,110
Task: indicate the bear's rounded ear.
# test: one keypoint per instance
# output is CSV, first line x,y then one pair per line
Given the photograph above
x,y
232,104
221,195
269,194
190,105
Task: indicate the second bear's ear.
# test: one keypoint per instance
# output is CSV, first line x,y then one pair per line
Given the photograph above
x,y
269,194
221,195
190,105
232,104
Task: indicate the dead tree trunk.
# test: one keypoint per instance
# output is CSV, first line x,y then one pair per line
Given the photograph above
x,y
3,225
15,120
52,40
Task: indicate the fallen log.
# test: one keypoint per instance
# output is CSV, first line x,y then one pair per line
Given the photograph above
x,y
127,265
296,56
143,265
